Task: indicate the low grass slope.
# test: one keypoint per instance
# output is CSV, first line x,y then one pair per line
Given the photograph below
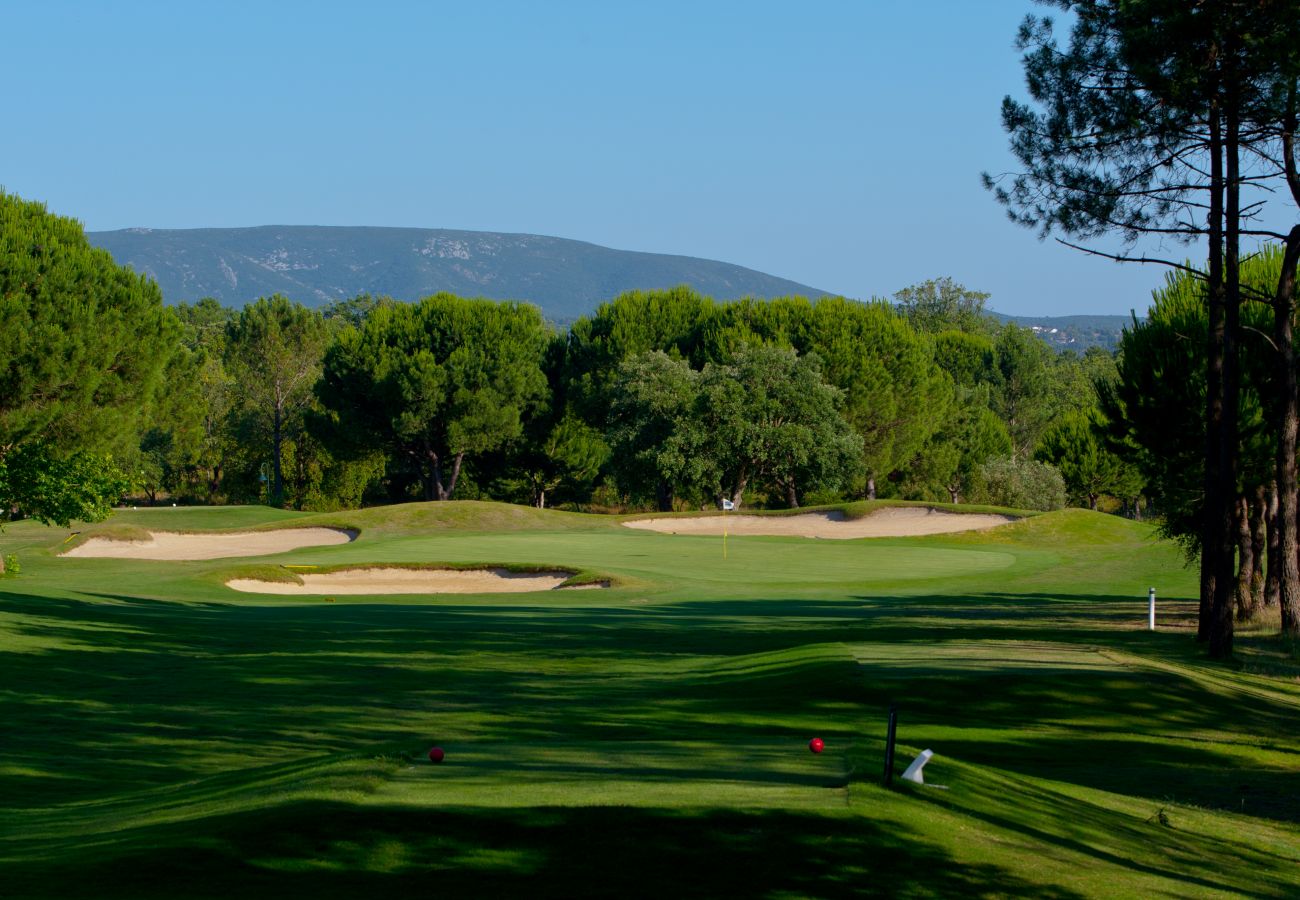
x,y
163,733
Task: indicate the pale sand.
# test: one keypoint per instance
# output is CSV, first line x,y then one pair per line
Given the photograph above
x,y
891,521
172,545
409,581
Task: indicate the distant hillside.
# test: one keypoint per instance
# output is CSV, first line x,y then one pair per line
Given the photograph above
x,y
1075,332
315,265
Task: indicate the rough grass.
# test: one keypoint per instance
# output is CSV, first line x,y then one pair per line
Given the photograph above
x,y
165,735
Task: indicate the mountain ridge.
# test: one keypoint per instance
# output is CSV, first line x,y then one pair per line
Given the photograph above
x,y
317,264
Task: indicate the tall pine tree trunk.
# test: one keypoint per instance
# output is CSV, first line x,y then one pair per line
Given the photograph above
x,y
1258,546
1221,614
1288,513
1213,503
1288,428
1272,572
1245,561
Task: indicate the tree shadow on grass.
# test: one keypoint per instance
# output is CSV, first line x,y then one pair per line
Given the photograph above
x,y
132,694
326,850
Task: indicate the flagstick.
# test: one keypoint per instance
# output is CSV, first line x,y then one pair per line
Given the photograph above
x,y
724,532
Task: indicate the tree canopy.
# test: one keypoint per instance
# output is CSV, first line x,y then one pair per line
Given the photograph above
x,y
83,347
435,381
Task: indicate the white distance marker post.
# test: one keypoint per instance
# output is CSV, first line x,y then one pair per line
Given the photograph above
x,y
1151,609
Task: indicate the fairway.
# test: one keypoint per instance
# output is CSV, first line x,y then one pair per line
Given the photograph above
x,y
164,730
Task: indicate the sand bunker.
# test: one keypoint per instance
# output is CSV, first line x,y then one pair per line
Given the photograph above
x,y
410,581
891,521
172,545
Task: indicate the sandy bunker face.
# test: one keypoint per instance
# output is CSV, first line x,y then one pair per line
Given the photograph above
x,y
408,581
892,521
172,545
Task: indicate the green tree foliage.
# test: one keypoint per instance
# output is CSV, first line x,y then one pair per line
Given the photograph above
x,y
1021,383
1074,379
648,411
767,417
1161,117
170,452
204,331
892,393
633,323
948,467
83,347
1074,447
564,453
354,310
1154,408
83,342
57,487
967,358
273,354
1021,484
435,381
941,304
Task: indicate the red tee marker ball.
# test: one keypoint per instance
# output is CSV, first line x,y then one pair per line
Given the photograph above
x,y
816,745
436,755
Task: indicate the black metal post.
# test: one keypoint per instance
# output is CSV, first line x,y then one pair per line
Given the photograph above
x,y
889,746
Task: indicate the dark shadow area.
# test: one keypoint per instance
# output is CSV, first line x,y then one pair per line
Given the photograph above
x,y
133,695
323,850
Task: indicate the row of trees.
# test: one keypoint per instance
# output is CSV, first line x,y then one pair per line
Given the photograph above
x,y
661,398
1177,120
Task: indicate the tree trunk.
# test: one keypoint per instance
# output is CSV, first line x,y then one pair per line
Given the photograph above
x,y
431,473
1221,614
1213,488
738,493
541,498
1288,516
791,495
871,487
1287,521
1245,562
663,496
1273,571
277,438
1092,502
1258,546
455,476
954,495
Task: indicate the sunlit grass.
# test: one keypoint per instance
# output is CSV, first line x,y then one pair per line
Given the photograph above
x,y
163,731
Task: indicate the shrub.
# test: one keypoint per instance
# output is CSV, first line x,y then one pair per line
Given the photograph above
x,y
1021,484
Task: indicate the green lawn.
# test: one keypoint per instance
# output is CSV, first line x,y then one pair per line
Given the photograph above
x,y
165,735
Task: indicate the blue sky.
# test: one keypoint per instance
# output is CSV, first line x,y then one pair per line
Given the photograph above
x,y
836,143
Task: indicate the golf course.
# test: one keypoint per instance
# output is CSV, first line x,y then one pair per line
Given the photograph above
x,y
166,733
